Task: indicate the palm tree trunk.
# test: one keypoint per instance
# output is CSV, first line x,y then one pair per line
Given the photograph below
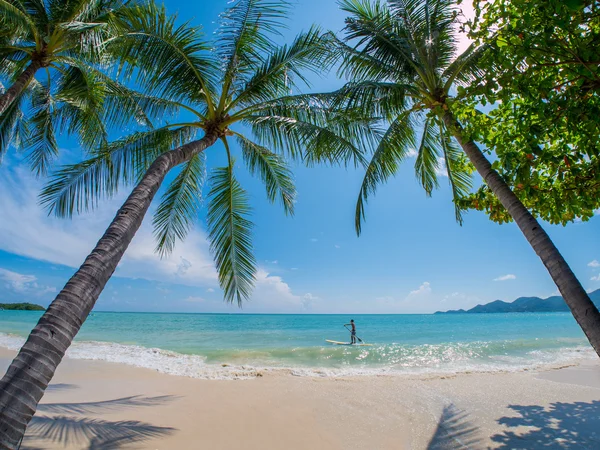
x,y
585,312
13,92
30,372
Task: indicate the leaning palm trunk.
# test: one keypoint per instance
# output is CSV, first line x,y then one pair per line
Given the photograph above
x,y
584,311
30,372
13,92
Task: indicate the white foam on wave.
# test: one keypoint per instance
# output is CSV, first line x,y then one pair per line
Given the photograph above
x,y
195,366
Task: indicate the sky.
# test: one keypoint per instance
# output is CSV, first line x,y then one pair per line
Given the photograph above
x,y
412,256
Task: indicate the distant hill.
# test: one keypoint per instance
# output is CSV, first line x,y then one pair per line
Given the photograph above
x,y
21,307
524,304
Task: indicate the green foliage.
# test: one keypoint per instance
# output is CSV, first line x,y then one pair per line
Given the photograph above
x,y
179,205
21,307
541,76
230,234
400,57
75,43
244,78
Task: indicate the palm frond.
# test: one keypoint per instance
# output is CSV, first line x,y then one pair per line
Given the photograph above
x,y
230,234
382,99
247,30
273,171
465,69
427,163
277,74
308,126
179,205
459,172
16,19
393,148
41,142
79,187
152,39
376,32
14,128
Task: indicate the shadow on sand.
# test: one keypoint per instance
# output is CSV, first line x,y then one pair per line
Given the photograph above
x,y
454,431
89,433
558,426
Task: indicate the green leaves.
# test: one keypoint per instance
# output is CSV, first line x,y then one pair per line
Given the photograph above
x,y
230,234
273,171
179,205
400,57
393,148
79,187
277,73
542,76
42,141
151,39
246,33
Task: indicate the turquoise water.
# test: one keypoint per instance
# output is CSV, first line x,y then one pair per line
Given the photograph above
x,y
220,345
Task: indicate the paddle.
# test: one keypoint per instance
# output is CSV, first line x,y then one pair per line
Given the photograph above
x,y
359,339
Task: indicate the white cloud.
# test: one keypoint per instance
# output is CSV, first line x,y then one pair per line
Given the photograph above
x,y
210,290
596,278
412,153
191,299
26,229
594,263
17,281
424,289
509,276
272,262
272,293
23,284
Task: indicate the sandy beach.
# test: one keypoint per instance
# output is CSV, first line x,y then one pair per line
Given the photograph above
x,y
93,405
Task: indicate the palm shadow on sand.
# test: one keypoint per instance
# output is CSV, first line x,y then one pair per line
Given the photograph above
x,y
89,433
454,431
560,426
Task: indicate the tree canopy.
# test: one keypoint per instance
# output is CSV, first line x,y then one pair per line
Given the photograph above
x,y
540,84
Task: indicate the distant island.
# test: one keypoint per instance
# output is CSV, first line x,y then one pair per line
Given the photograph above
x,y
21,307
523,304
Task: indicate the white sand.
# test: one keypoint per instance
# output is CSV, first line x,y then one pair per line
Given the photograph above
x,y
88,407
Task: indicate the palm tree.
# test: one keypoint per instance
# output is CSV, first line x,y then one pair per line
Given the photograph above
x,y
243,77
401,57
41,35
71,45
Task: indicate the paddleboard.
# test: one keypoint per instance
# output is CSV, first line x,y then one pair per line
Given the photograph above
x,y
347,343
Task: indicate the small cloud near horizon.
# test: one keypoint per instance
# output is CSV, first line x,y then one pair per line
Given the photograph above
x,y
425,288
509,276
23,284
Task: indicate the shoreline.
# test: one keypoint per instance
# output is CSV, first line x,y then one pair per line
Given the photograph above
x,y
195,366
99,403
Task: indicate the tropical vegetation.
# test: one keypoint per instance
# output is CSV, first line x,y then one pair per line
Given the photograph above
x,y
71,47
244,78
542,80
400,56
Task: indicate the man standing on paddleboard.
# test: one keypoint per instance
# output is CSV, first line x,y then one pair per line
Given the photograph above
x,y
352,332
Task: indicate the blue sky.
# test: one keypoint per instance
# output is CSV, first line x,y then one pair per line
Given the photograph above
x,y
411,258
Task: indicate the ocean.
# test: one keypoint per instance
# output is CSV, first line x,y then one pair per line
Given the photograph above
x,y
231,346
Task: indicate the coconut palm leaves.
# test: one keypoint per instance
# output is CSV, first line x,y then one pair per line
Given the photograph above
x,y
400,56
242,78
69,45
